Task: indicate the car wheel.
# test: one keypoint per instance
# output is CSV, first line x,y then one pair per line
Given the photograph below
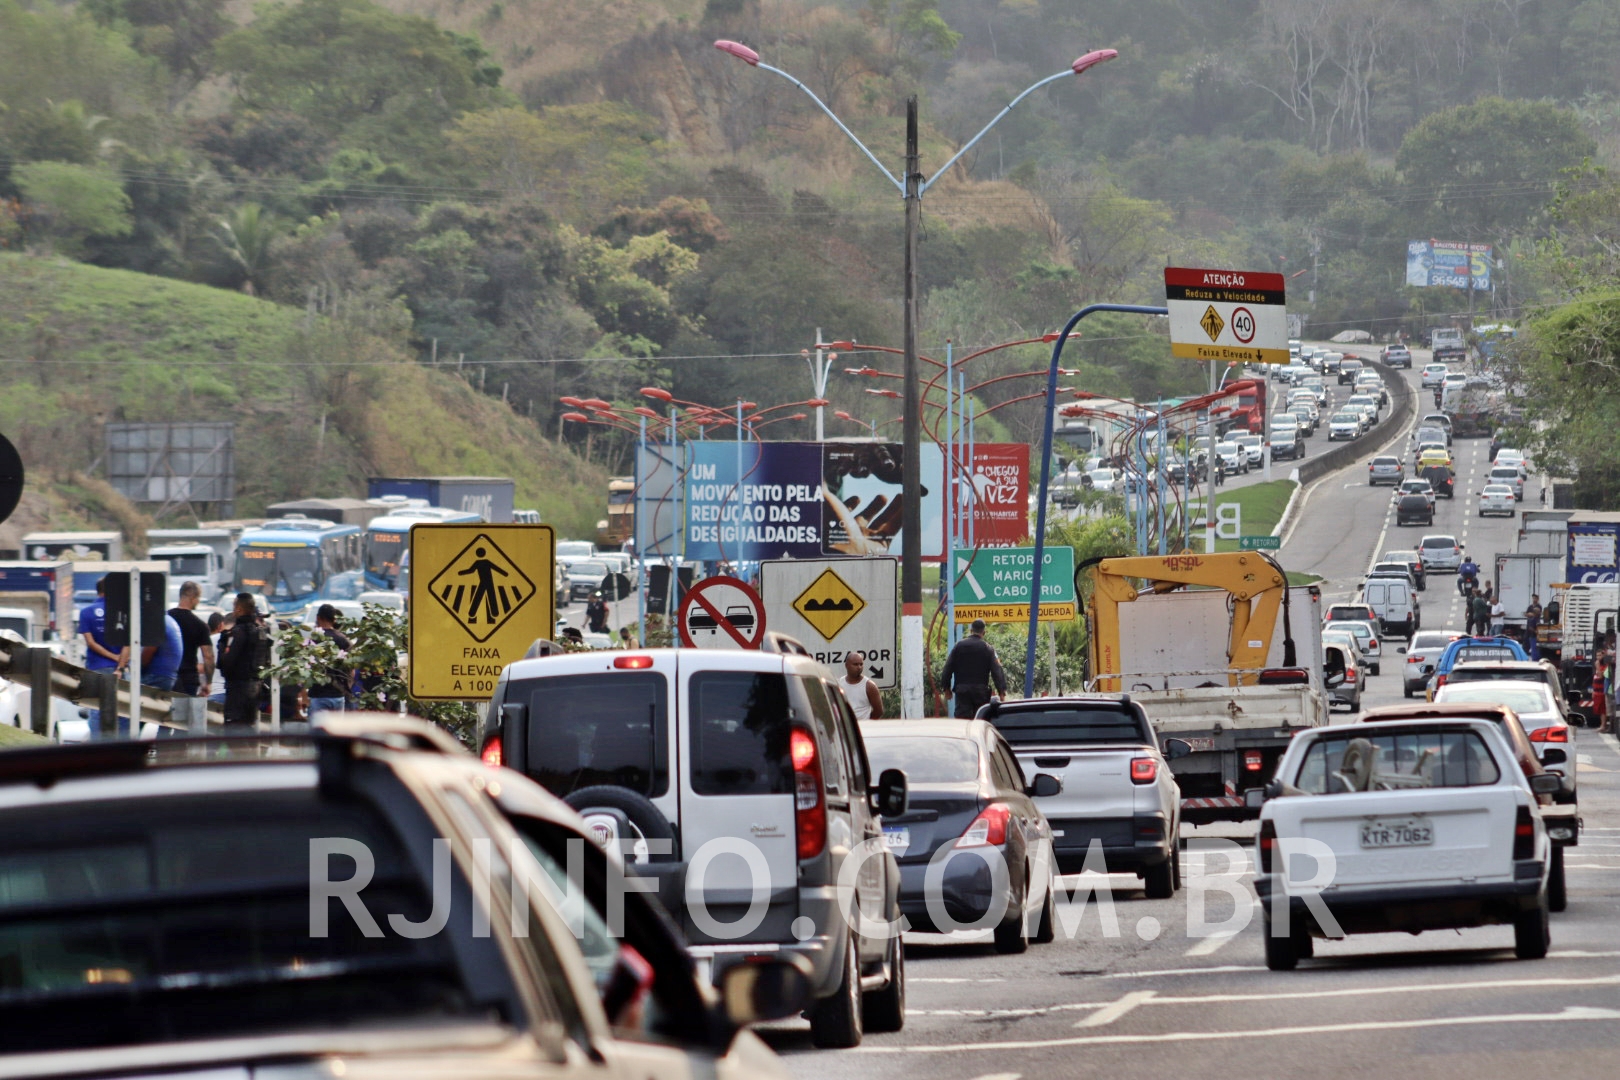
x,y
1175,860
835,1022
1159,882
1557,893
1408,691
885,1010
1375,669
1046,925
1355,706
1531,933
1282,953
1012,937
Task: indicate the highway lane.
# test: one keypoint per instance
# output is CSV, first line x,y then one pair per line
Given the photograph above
x,y
1164,989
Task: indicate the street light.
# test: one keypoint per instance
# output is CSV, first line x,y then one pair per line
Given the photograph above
x,y
911,189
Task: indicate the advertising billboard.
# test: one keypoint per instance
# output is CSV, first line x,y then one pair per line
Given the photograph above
x,y
1000,494
1449,263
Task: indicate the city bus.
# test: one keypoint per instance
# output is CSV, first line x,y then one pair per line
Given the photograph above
x,y
388,537
292,560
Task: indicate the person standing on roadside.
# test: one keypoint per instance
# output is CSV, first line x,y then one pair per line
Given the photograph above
x,y
1479,614
596,614
1498,617
196,673
973,673
859,690
98,655
1532,623
331,695
239,663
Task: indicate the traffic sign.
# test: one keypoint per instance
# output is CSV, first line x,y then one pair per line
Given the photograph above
x,y
480,594
722,613
835,607
1227,315
996,583
11,477
1260,543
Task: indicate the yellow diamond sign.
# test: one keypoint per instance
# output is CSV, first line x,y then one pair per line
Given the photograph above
x,y
1212,323
829,604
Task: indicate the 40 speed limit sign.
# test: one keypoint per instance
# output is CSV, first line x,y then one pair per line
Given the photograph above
x,y
1227,315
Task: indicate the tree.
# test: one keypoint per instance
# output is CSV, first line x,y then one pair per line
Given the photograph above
x,y
1567,366
1483,170
79,202
246,238
180,33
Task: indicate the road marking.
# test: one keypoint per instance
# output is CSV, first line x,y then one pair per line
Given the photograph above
x,y
1000,1076
1223,969
1571,1014
1109,1013
1378,991
1210,944
916,979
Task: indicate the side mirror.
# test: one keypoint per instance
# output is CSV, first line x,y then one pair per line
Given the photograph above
x,y
773,988
1044,786
1553,756
1176,748
1546,784
891,794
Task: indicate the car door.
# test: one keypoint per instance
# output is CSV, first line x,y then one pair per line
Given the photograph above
x,y
1011,785
854,806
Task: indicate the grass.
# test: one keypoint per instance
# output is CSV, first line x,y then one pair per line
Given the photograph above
x,y
317,406
17,738
1262,508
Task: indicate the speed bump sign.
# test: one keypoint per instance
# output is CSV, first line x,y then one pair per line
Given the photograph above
x,y
834,607
480,596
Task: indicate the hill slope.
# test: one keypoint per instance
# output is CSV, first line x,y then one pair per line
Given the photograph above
x,y
318,405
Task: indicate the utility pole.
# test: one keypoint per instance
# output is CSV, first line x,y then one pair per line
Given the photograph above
x,y
911,607
819,368
1209,484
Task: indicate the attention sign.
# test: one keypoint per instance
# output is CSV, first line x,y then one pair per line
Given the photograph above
x,y
1227,315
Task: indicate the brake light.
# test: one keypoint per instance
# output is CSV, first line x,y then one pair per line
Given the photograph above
x,y
1251,760
1349,674
1524,835
491,754
809,811
1550,734
1414,659
1439,681
1144,770
989,829
633,662
1268,840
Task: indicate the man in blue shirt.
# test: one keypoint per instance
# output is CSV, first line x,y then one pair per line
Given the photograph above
x,y
97,655
159,663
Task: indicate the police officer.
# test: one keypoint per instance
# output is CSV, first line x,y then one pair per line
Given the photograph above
x,y
970,670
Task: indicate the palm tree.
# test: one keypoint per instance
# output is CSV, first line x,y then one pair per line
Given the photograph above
x,y
246,237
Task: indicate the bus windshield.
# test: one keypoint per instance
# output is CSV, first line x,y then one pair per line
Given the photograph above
x,y
384,547
280,573
187,566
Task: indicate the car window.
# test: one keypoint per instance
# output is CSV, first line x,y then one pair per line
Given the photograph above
x,y
833,775
606,728
926,759
1349,763
1521,699
1010,760
739,733
1057,724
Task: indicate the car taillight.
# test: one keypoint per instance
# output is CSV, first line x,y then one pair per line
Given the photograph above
x,y
634,662
809,811
1350,674
491,754
1251,760
1268,840
1144,770
1439,681
1524,835
1550,734
1414,659
989,829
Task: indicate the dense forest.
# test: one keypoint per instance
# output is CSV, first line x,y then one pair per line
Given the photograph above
x,y
585,197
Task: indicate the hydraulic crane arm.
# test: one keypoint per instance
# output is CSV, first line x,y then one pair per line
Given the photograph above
x,y
1257,585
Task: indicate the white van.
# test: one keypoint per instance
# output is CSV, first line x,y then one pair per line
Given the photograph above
x,y
1396,604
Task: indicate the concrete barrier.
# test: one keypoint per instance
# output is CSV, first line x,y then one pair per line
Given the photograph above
x,y
1403,406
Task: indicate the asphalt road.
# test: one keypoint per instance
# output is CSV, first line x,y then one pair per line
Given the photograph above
x,y
1163,995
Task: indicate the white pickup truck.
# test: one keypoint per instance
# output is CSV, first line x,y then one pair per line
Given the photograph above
x,y
1117,789
1406,826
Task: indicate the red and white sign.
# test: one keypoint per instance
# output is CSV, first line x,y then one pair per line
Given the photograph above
x,y
1000,494
722,613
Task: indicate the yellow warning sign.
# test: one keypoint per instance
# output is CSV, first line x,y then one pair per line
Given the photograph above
x,y
829,604
1212,323
480,596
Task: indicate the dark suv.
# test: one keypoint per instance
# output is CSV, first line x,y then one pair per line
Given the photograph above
x,y
1441,480
1414,510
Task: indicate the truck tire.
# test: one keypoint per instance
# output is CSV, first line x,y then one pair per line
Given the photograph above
x,y
1531,935
1282,953
1557,892
1159,882
885,1010
835,1022
639,810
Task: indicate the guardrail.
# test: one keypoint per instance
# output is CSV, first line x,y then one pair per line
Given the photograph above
x,y
49,676
1403,407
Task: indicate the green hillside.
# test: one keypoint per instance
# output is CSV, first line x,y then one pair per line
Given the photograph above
x,y
319,403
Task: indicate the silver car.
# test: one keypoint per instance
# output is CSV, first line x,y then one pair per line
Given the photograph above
x,y
1422,653
1385,469
1440,551
1365,631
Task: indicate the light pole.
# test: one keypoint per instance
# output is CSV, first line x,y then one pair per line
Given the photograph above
x,y
820,364
912,188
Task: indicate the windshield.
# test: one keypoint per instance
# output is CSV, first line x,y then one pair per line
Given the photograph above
x,y
1521,699
574,549
16,626
590,569
188,917
383,551
1350,763
925,760
280,573
187,566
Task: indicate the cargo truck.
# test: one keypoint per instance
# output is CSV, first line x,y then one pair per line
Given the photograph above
x,y
77,546
1588,613
44,590
490,497
1447,343
1234,668
1593,554
1520,576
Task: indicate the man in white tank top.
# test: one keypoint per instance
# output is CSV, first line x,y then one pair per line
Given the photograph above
x,y
861,692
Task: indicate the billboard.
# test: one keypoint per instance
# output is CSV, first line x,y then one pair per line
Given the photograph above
x,y
1000,494
1448,262
173,463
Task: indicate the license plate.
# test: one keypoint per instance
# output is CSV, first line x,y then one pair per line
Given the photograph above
x,y
898,839
1397,832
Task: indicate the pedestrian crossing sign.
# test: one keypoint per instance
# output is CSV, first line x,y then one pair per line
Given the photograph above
x,y
480,595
